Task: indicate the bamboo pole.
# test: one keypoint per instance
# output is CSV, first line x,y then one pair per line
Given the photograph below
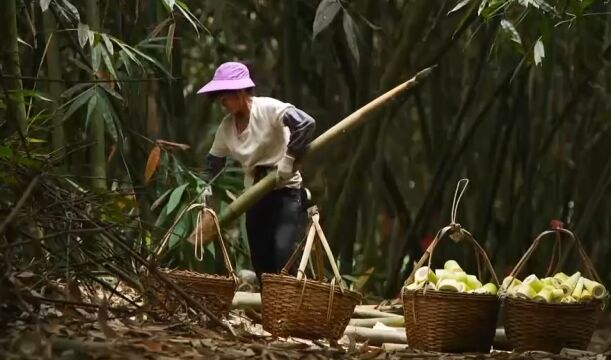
x,y
268,183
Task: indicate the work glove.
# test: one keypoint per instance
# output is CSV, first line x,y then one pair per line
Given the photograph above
x,y
285,168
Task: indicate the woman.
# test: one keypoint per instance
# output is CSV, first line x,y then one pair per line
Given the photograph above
x,y
263,134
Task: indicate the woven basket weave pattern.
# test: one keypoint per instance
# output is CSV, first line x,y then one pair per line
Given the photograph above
x,y
213,291
450,322
284,316
549,327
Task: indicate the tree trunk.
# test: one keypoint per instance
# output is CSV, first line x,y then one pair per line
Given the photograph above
x,y
97,154
9,61
54,70
291,53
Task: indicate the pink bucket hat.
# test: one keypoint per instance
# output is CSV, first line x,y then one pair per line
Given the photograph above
x,y
228,76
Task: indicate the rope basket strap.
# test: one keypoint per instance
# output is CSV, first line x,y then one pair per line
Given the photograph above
x,y
561,235
457,234
199,237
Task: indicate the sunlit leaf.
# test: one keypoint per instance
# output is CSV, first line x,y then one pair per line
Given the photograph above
x,y
175,198
325,13
44,5
152,164
108,44
511,30
169,4
459,6
83,34
539,51
35,140
351,35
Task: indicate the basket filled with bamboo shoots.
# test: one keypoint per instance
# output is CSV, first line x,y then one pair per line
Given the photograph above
x,y
450,310
553,312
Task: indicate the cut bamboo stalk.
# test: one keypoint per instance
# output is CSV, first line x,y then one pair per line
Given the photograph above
x,y
376,337
394,321
268,183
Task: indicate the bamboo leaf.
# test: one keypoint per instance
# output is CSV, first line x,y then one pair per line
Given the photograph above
x,y
79,101
152,164
325,13
113,93
169,4
170,41
72,9
511,30
96,57
482,6
175,198
91,107
83,34
76,88
160,200
351,35
539,52
44,5
109,116
109,65
459,6
108,44
184,9
125,60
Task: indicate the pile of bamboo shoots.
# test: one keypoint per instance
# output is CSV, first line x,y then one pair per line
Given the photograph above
x,y
559,288
451,278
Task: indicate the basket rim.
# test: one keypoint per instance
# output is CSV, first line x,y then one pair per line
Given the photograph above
x,y
558,306
449,294
292,280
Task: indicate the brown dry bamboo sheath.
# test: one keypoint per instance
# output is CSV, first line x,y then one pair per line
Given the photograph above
x,y
268,183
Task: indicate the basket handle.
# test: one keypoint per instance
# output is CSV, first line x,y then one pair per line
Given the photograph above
x,y
221,242
456,233
315,229
559,231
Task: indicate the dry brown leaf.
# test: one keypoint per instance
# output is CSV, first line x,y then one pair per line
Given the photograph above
x,y
206,229
152,163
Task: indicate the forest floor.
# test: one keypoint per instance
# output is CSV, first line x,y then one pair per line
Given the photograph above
x,y
62,329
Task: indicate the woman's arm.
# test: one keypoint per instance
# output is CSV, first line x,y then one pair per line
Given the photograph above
x,y
302,128
214,165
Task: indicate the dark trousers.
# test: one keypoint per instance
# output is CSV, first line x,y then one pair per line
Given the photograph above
x,y
274,227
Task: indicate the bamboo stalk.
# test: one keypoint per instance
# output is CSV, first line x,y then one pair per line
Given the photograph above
x,y
268,183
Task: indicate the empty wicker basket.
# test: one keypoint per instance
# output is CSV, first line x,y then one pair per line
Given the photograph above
x,y
531,325
307,308
215,292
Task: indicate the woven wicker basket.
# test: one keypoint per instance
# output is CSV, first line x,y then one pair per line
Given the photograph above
x,y
307,308
531,325
446,321
215,292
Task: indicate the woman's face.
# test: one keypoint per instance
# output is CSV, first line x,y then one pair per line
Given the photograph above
x,y
234,102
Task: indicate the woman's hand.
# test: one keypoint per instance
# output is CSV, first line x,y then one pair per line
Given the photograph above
x,y
285,167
